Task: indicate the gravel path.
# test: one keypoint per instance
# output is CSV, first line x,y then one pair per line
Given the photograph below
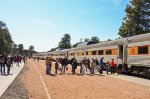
x,y
68,86
17,89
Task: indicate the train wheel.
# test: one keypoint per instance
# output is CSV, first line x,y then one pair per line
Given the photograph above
x,y
147,72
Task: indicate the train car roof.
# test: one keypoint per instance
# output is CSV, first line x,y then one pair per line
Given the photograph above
x,y
139,38
60,51
101,44
86,43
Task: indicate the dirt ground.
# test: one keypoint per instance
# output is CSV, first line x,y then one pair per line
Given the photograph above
x,y
77,86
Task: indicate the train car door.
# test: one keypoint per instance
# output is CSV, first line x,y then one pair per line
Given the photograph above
x,y
120,50
123,53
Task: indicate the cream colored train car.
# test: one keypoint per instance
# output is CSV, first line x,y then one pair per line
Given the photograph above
x,y
59,54
109,50
135,53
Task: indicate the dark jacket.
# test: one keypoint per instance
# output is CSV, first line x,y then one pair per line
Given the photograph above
x,y
74,64
64,61
56,65
97,62
3,59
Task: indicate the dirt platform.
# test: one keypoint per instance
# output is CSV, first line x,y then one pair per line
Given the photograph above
x,y
77,86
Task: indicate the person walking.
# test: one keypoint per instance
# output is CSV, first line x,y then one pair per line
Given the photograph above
x,y
97,64
83,65
87,64
93,64
9,62
24,59
17,60
64,64
20,58
3,61
48,65
102,63
56,66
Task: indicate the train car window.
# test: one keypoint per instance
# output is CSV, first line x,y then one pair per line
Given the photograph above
x,y
108,52
93,52
143,50
72,54
82,53
100,52
86,53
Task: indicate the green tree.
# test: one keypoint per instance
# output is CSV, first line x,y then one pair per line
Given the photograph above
x,y
52,49
137,19
86,39
20,49
5,39
95,39
65,42
15,49
31,49
74,45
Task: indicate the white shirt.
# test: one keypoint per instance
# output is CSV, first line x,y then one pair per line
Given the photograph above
x,y
119,61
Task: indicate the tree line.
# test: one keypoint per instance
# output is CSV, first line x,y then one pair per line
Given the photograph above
x,y
66,44
8,45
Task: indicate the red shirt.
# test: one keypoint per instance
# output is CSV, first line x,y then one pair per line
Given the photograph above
x,y
112,64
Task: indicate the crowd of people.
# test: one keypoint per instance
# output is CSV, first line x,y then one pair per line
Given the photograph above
x,y
8,61
85,64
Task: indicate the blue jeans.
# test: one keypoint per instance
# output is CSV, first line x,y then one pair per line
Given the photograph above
x,y
81,68
48,69
63,68
102,66
2,68
92,70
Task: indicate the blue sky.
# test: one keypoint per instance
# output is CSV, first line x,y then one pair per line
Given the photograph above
x,y
43,23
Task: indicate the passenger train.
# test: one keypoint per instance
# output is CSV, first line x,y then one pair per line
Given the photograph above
x,y
135,53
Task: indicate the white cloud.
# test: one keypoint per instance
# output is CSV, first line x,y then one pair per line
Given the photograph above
x,y
40,22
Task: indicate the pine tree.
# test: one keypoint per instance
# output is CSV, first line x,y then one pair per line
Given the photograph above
x,y
5,39
137,19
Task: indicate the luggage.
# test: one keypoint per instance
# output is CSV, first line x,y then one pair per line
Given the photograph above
x,y
99,70
66,68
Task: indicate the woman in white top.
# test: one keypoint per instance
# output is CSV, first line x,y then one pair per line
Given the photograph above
x,y
119,65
